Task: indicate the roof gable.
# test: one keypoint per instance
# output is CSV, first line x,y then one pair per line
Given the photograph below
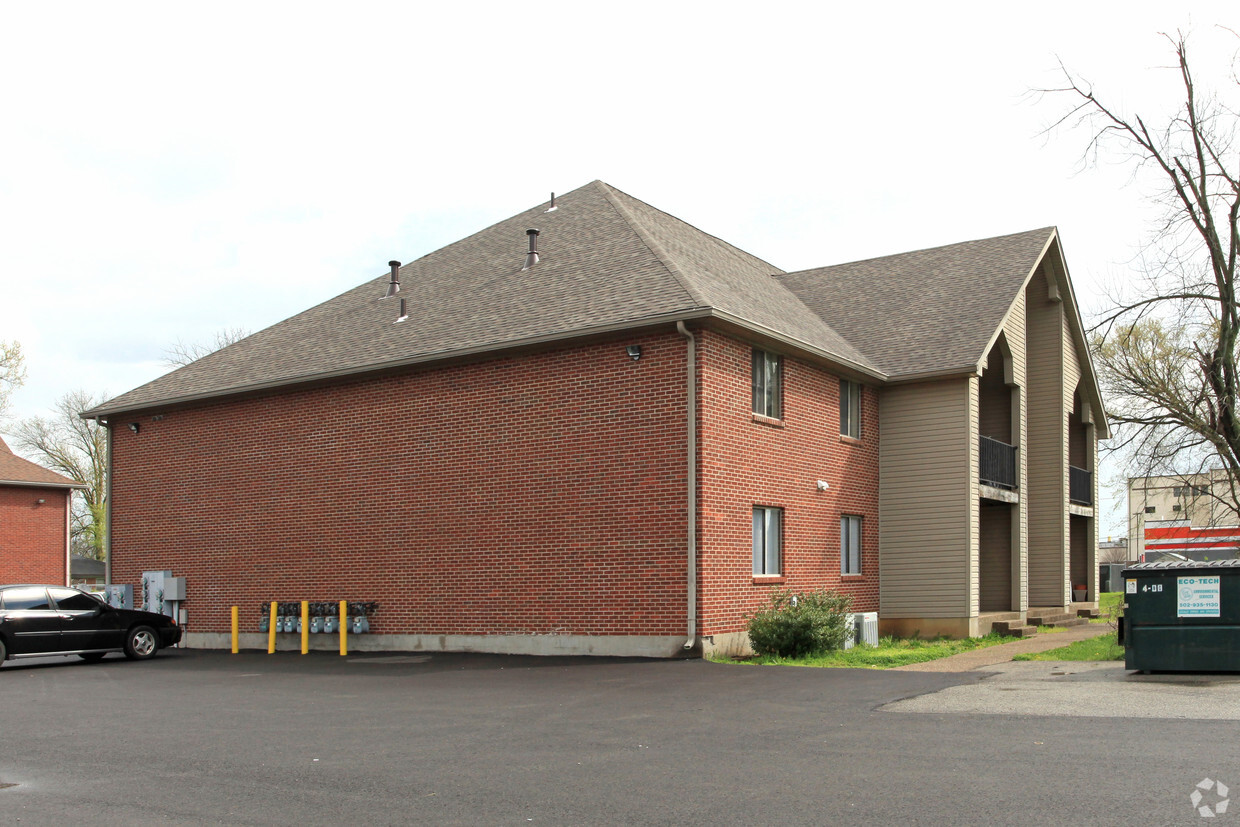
x,y
927,312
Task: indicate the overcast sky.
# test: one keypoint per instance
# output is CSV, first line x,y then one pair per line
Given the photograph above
x,y
168,170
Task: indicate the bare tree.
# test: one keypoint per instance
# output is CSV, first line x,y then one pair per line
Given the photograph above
x,y
77,448
12,372
182,353
1166,347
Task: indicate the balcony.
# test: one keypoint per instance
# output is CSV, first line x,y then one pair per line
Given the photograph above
x,y
1080,486
996,463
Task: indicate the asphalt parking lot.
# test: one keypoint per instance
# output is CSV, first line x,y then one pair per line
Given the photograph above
x,y
197,737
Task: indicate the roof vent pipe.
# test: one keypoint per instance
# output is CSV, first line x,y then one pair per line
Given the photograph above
x,y
531,257
394,284
552,207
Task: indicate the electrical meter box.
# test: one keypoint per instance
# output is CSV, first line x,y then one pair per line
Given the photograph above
x,y
1182,616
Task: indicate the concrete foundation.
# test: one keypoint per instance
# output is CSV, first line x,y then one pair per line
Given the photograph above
x,y
605,646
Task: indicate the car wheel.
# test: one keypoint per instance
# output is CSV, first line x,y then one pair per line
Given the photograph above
x,y
4,653
92,657
141,643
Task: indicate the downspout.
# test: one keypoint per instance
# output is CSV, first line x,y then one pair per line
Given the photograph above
x,y
68,532
691,428
107,509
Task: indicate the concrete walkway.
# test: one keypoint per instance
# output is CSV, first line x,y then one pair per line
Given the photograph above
x,y
991,655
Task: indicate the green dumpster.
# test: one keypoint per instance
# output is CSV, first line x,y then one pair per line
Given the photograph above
x,y
1182,616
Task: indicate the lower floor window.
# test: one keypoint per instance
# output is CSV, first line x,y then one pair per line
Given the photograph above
x,y
767,526
850,545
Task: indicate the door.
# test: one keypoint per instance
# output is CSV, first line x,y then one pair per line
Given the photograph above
x,y
83,624
30,621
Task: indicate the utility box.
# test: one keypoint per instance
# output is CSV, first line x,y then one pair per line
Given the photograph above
x,y
174,588
1182,616
864,626
1111,577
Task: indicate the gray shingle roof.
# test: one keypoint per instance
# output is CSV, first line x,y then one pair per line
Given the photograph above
x,y
608,261
928,311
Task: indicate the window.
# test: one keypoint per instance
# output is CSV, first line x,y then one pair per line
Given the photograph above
x,y
767,525
850,545
71,600
850,409
1200,490
1149,509
1175,507
1177,491
29,599
767,379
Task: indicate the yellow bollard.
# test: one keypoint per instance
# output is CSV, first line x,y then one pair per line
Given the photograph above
x,y
271,631
235,623
344,627
305,626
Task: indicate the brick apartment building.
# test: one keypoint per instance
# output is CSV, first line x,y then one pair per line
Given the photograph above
x,y
619,434
34,521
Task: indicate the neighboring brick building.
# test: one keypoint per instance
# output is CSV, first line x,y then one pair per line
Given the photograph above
x,y
34,521
619,443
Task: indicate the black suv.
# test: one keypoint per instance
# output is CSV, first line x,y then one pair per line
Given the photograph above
x,y
56,620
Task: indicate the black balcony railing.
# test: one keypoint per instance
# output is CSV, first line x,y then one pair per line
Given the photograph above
x,y
996,463
1080,486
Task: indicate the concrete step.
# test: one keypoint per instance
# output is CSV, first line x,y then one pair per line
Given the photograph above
x,y
1053,616
1090,614
1014,628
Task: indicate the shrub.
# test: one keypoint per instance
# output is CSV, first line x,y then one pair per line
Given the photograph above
x,y
795,625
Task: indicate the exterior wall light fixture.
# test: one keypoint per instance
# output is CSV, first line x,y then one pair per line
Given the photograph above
x,y
634,351
822,485
133,426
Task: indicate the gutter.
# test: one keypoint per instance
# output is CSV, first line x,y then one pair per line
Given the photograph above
x,y
688,315
28,484
691,433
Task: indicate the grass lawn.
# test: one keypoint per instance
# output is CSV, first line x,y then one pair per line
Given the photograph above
x,y
1103,647
1110,606
889,652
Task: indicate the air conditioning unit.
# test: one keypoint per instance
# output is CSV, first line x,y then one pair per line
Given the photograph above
x,y
864,629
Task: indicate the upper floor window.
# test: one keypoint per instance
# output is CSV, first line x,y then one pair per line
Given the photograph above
x,y
767,528
767,384
1149,509
850,409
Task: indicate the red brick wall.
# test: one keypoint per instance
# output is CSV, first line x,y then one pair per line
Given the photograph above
x,y
745,461
532,494
32,536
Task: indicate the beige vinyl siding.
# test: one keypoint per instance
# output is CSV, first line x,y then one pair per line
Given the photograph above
x,y
1047,485
973,503
1014,332
927,495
